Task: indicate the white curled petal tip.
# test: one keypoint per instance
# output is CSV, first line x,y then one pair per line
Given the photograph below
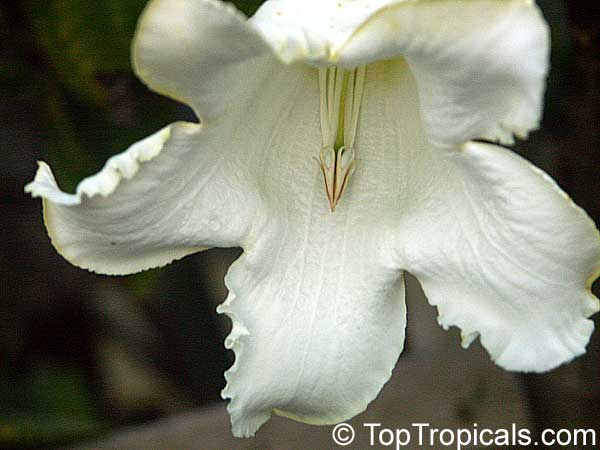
x,y
44,186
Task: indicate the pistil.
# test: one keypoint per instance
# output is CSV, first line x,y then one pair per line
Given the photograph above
x,y
339,89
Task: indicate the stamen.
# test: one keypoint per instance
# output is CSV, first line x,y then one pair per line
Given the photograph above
x,y
347,109
339,85
338,166
356,102
324,106
327,163
344,168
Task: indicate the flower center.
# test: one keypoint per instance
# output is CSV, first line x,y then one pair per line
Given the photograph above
x,y
340,90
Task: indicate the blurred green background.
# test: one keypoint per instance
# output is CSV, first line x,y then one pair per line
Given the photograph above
x,y
69,339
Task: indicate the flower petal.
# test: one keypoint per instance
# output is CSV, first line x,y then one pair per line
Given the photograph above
x,y
496,245
165,197
187,187
480,65
308,30
505,254
196,52
318,322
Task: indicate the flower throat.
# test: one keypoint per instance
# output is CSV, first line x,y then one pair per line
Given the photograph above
x,y
341,90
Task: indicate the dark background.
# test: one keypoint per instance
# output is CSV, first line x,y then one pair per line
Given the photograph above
x,y
82,356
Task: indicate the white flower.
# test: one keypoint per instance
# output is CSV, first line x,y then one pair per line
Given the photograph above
x,y
389,97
